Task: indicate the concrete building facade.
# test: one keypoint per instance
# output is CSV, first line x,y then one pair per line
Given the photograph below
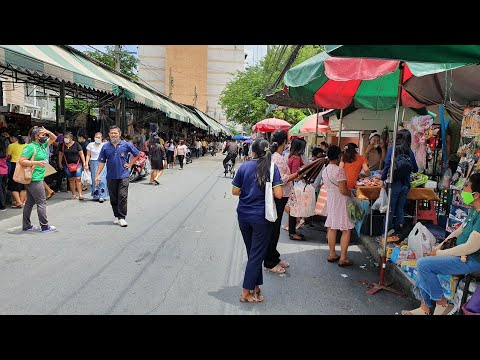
x,y
191,74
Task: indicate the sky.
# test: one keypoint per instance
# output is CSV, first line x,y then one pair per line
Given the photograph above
x,y
254,52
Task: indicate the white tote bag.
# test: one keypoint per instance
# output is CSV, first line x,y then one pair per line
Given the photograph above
x,y
270,207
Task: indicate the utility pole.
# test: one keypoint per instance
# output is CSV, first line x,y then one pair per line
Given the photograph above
x,y
170,84
117,57
195,97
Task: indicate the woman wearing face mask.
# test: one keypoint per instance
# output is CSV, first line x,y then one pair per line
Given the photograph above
x,y
100,191
353,163
41,139
464,258
71,153
375,152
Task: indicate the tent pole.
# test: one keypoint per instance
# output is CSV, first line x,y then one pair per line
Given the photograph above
x,y
340,128
381,284
316,130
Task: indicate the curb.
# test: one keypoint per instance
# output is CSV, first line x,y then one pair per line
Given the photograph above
x,y
393,273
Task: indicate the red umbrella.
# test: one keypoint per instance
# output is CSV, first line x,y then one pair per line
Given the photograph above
x,y
310,126
270,125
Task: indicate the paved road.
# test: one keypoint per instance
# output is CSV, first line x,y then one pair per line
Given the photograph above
x,y
182,253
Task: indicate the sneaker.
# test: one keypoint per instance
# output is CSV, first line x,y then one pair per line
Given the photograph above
x,y
32,228
122,222
115,221
417,311
49,229
101,200
3,208
443,309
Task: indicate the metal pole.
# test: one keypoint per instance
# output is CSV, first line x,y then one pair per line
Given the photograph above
x,y
390,177
57,112
1,93
117,57
62,106
316,130
124,126
340,128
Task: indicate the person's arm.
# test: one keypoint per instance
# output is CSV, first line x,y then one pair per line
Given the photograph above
x,y
386,168
472,245
414,161
60,158
384,152
89,155
51,136
277,183
136,155
341,165
82,157
9,151
237,182
365,168
367,149
342,187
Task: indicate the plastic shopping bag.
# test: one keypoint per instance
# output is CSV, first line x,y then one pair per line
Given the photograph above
x,y
86,178
365,204
421,240
381,203
305,200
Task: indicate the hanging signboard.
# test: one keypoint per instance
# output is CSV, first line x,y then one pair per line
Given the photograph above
x,y
471,122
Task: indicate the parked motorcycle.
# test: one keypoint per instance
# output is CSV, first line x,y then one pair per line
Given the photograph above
x,y
139,169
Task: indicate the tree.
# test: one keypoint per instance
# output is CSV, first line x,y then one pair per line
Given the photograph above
x,y
128,62
243,97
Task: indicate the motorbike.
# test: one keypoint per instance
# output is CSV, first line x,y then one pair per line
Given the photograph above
x,y
139,169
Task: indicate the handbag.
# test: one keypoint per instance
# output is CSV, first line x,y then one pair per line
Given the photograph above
x,y
71,167
23,174
270,207
49,170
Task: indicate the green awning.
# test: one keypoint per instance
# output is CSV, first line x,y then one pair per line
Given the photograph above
x,y
215,127
66,64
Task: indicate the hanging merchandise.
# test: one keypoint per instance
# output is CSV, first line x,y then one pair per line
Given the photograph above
x,y
419,127
471,122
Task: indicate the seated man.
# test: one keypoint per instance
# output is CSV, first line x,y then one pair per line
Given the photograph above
x,y
231,148
464,258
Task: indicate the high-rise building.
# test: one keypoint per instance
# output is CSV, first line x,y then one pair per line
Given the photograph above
x,y
191,74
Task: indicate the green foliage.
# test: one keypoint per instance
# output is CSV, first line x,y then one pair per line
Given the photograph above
x,y
128,62
242,100
78,106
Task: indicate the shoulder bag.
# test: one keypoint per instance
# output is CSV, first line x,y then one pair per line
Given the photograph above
x,y
71,167
23,174
270,207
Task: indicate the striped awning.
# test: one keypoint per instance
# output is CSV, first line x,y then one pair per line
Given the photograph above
x,y
65,64
215,127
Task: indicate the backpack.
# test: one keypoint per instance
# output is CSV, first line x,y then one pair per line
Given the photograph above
x,y
3,147
402,167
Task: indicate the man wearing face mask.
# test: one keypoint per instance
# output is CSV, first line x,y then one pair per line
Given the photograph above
x,y
375,152
41,140
115,154
463,258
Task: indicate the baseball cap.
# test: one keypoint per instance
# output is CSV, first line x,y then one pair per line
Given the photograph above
x,y
376,133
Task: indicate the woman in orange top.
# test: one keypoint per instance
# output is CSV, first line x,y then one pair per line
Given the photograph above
x,y
353,163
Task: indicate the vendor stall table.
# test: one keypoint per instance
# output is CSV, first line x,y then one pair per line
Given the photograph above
x,y
372,193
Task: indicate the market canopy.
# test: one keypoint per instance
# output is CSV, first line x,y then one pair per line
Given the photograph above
x,y
322,122
466,54
63,63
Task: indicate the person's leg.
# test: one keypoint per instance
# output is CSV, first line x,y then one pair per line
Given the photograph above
x,y
113,186
180,160
344,242
248,279
47,188
272,257
401,200
37,192
79,187
430,267
260,240
396,189
23,196
122,198
16,196
159,173
27,209
225,161
102,186
332,240
3,191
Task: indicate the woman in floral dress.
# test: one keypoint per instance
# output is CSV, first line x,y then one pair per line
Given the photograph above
x,y
335,180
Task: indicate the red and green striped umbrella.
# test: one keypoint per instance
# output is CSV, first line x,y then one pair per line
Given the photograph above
x,y
337,83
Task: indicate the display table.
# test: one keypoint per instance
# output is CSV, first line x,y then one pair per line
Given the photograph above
x,y
372,193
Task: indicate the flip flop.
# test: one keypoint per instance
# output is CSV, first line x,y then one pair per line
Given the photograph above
x,y
50,195
347,262
331,260
279,269
255,299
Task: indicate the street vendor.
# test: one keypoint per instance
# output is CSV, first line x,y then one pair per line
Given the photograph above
x,y
375,152
463,258
353,163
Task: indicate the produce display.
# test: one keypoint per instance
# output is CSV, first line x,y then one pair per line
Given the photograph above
x,y
418,179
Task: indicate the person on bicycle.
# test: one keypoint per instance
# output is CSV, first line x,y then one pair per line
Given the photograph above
x,y
231,148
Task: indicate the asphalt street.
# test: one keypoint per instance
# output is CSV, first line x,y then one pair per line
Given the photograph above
x,y
182,253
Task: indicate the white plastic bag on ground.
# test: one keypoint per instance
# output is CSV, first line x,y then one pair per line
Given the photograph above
x,y
421,240
86,178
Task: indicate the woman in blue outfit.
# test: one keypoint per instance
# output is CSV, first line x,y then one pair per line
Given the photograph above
x,y
401,178
99,192
464,258
249,185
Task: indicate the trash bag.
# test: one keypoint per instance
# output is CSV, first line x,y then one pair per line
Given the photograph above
x,y
86,178
421,240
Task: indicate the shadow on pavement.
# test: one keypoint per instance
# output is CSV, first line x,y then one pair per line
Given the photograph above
x,y
101,223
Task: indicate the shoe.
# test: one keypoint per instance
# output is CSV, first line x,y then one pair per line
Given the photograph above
x,y
32,228
417,311
101,200
277,269
3,208
122,222
443,309
49,229
115,221
254,298
302,237
346,262
331,260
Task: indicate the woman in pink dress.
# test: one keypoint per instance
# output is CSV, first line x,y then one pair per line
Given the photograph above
x,y
335,179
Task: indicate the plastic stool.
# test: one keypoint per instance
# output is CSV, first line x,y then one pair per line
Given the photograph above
x,y
429,214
